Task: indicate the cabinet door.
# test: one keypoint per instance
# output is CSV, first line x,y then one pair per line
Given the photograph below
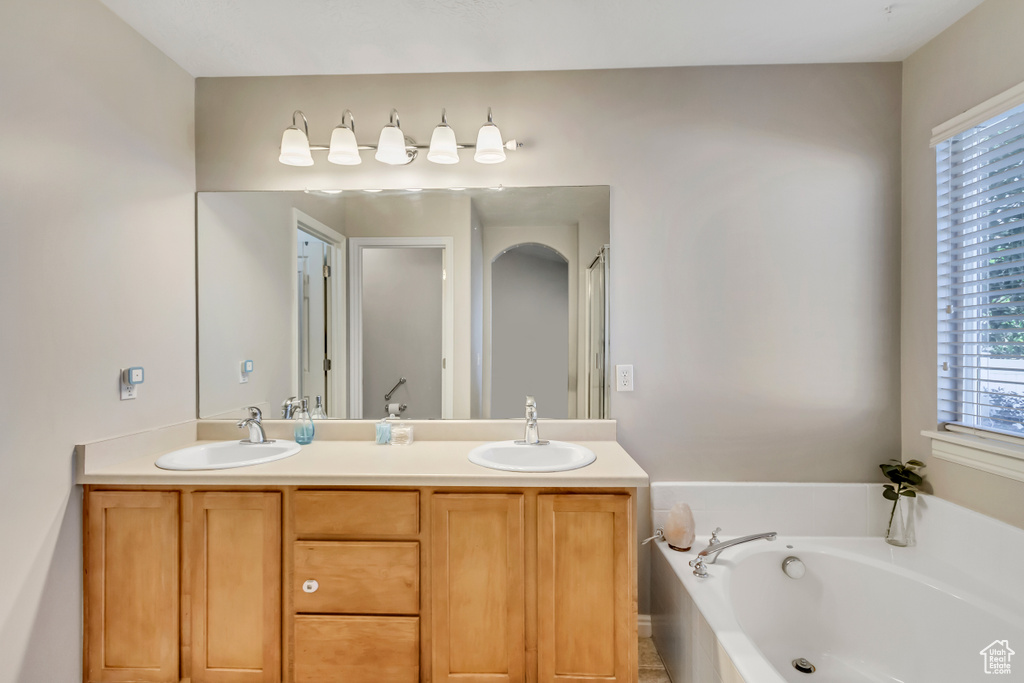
x,y
131,579
586,595
236,587
477,588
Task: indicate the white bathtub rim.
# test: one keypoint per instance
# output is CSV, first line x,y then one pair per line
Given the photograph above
x,y
711,596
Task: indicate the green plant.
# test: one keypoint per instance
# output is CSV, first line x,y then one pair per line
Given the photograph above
x,y
905,480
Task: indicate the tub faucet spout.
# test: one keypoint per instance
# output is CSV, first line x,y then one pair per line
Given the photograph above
x,y
710,554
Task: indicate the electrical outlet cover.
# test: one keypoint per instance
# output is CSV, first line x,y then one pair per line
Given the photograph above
x,y
623,378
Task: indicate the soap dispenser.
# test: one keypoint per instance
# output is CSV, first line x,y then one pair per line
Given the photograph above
x,y
318,410
304,428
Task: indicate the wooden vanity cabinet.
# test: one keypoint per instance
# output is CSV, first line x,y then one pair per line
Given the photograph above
x,y
234,587
354,587
360,586
131,586
182,585
477,571
586,616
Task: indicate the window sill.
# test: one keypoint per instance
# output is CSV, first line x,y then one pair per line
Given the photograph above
x,y
988,455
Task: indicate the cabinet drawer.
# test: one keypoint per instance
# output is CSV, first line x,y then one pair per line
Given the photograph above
x,y
357,577
360,514
357,649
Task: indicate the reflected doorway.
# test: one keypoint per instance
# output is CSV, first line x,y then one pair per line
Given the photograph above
x,y
529,331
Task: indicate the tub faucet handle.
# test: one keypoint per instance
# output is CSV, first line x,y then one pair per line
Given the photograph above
x,y
700,570
714,536
659,535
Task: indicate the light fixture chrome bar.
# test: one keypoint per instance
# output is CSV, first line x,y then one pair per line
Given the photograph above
x,y
511,145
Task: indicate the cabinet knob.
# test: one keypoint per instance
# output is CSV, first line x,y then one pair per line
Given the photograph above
x,y
310,586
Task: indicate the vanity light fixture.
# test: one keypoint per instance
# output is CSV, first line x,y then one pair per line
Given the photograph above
x,y
295,143
489,147
443,148
393,146
344,150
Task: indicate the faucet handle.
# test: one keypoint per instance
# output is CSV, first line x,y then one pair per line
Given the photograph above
x,y
714,536
531,402
255,413
700,570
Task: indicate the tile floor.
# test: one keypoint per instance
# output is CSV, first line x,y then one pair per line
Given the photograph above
x,y
652,669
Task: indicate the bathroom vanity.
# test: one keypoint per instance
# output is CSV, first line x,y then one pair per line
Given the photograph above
x,y
355,562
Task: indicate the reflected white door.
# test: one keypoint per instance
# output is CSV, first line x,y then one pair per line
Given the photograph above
x,y
402,326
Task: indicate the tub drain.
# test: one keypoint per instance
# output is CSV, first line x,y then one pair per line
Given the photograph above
x,y
803,666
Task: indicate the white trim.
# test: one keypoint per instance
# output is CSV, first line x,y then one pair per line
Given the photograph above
x,y
356,246
336,338
979,114
998,435
988,455
643,625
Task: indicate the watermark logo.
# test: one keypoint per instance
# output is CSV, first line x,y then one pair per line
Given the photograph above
x,y
997,657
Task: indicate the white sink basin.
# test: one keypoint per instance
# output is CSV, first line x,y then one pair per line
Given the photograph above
x,y
226,454
554,456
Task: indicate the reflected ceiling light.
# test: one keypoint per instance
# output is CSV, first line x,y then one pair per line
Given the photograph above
x,y
344,150
295,143
391,145
489,147
443,148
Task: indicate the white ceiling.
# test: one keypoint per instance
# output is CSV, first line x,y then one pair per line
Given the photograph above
x,y
294,37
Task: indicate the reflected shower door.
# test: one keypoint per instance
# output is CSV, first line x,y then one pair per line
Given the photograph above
x,y
314,254
598,375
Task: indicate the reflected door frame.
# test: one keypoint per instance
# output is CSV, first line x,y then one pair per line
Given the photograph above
x,y
336,298
355,328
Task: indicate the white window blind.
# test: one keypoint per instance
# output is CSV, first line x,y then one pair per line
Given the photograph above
x,y
980,185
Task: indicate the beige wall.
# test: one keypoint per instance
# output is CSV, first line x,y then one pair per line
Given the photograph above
x,y
97,173
754,230
978,57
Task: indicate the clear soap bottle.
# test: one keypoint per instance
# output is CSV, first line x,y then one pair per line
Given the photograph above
x,y
318,410
304,428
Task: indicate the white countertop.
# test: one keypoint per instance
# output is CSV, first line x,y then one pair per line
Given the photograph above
x,y
345,463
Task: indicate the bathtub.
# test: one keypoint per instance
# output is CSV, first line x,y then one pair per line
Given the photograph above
x,y
863,612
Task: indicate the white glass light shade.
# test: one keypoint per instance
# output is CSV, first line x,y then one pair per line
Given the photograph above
x,y
295,148
443,148
489,148
344,150
391,146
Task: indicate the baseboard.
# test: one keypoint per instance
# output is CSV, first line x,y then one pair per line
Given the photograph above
x,y
643,625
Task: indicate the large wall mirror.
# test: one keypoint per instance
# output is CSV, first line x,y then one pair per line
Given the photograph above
x,y
422,304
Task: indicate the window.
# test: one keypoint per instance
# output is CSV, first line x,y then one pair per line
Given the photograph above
x,y
980,186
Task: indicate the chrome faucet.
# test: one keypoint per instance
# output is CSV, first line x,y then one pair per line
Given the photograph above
x,y
700,569
288,407
532,437
255,424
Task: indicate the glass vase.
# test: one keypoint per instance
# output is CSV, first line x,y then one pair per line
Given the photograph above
x,y
901,523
